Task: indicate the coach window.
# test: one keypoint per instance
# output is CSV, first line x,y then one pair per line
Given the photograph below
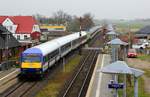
x,y
76,41
63,48
54,53
68,45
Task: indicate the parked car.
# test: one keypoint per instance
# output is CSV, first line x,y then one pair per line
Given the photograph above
x,y
132,53
140,45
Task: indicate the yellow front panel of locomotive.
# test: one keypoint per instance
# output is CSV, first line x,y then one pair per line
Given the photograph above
x,y
31,65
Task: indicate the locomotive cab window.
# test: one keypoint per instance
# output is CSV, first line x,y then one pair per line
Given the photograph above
x,y
31,58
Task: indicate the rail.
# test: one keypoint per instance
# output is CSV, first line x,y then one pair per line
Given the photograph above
x,y
84,69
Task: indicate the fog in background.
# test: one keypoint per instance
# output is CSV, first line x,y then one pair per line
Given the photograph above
x,y
101,9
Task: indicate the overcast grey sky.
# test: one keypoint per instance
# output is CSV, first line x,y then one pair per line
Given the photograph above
x,y
109,9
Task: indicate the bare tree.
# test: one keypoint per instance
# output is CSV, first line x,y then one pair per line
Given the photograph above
x,y
61,17
72,22
86,21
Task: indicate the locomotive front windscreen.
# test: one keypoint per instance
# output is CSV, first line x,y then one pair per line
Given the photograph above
x,y
31,58
31,61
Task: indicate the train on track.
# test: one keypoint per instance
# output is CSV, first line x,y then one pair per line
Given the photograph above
x,y
38,59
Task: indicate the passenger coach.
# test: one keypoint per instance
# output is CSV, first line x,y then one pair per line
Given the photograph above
x,y
38,59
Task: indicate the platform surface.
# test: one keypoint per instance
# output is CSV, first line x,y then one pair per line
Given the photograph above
x,y
7,78
99,82
7,72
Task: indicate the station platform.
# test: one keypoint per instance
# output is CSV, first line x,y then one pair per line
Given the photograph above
x,y
6,76
6,72
98,86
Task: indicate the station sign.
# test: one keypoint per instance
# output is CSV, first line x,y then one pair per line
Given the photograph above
x,y
116,86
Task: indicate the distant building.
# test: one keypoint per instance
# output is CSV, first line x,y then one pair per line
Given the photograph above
x,y
125,38
50,31
144,33
53,28
23,28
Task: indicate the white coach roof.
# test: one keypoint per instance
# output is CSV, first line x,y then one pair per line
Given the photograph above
x,y
52,45
48,47
69,38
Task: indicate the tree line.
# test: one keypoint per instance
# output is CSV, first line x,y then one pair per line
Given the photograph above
x,y
71,22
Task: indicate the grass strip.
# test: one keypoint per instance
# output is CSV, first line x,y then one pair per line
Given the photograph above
x,y
142,92
130,89
54,86
144,57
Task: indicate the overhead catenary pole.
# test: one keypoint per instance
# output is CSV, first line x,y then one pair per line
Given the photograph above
x,y
80,26
80,20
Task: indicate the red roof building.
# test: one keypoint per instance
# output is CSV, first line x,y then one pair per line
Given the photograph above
x,y
125,38
22,27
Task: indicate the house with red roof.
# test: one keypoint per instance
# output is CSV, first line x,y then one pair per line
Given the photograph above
x,y
22,27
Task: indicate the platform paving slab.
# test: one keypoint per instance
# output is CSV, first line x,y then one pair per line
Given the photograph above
x,y
99,82
8,78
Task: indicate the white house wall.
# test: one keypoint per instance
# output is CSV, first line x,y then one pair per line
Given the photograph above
x,y
21,36
7,22
9,25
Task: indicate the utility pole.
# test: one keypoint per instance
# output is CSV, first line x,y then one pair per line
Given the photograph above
x,y
130,37
80,26
80,20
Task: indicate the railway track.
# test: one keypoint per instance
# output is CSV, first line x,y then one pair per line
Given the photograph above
x,y
78,87
79,83
20,89
30,88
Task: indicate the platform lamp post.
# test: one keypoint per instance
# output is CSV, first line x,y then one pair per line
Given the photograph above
x,y
116,43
